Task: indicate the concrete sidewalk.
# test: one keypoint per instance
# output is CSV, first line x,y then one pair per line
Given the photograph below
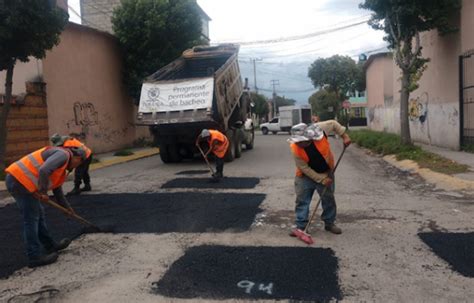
x,y
108,159
464,181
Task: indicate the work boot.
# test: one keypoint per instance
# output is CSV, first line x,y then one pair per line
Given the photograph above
x,y
63,244
87,187
333,229
42,260
74,192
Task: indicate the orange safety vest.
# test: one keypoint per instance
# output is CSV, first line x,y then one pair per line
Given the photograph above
x,y
222,143
72,142
26,171
323,148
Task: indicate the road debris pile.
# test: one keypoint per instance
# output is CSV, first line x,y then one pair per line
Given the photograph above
x,y
225,183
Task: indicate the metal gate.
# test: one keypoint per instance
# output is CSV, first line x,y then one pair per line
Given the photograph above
x,y
466,62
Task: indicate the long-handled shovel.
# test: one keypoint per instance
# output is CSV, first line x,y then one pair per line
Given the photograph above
x,y
205,159
71,214
303,235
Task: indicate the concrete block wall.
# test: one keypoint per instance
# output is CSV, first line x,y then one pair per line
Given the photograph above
x,y
97,13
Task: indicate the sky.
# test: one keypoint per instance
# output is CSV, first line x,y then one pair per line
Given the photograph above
x,y
250,22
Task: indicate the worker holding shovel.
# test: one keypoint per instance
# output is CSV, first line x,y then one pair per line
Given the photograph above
x,y
314,172
218,145
28,181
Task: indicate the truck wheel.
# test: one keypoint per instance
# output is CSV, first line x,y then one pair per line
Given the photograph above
x,y
230,154
174,154
250,145
274,132
238,144
265,131
164,155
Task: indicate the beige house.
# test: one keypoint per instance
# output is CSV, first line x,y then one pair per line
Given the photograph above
x,y
83,91
441,111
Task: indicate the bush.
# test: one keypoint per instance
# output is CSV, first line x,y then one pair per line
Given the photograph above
x,y
389,144
123,153
2,176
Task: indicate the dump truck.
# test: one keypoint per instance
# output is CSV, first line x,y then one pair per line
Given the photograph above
x,y
201,89
289,116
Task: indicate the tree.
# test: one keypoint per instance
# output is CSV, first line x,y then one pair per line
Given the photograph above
x,y
337,74
403,21
282,101
152,33
261,105
324,104
28,28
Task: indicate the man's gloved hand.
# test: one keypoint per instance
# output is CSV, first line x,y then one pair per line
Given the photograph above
x,y
42,197
346,140
327,182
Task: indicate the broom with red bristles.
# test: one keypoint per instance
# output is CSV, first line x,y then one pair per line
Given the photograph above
x,y
303,235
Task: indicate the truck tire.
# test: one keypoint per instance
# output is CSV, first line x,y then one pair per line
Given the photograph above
x,y
164,155
250,145
230,154
174,154
274,132
238,144
265,131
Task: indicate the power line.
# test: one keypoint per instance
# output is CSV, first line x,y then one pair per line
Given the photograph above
x,y
299,37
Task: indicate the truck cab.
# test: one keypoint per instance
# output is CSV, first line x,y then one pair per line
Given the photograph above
x,y
272,126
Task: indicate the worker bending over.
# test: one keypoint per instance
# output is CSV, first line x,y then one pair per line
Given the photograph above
x,y
314,164
28,181
81,173
218,145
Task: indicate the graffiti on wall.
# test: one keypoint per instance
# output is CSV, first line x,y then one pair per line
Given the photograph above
x,y
418,108
85,114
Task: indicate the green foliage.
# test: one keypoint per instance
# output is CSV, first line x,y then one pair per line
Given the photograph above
x,y
152,33
123,153
261,105
28,28
142,142
468,148
2,175
321,103
337,73
388,144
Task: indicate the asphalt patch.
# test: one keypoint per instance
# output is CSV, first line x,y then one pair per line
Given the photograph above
x,y
252,273
224,183
193,172
455,248
133,213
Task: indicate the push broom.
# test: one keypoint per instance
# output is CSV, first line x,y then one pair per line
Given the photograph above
x,y
304,235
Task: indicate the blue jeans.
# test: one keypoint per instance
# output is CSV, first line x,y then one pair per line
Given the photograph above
x,y
305,188
35,231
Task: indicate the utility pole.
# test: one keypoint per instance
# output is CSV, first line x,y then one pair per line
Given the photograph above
x,y
254,60
274,83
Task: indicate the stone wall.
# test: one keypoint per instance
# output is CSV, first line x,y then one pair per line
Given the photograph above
x,y
27,122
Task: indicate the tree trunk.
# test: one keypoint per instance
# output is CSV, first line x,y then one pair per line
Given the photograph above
x,y
4,110
404,96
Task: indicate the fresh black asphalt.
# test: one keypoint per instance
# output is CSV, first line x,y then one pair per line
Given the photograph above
x,y
252,273
457,249
134,213
224,183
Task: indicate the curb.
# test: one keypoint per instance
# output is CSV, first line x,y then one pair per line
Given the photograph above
x,y
112,161
441,181
119,159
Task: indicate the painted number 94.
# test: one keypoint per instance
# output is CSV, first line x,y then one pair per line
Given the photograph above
x,y
250,287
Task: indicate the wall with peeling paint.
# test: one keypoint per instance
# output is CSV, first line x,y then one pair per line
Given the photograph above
x,y
85,94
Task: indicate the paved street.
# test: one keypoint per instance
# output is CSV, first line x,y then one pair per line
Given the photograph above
x,y
379,256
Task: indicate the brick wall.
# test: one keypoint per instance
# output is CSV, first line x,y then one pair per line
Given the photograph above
x,y
27,123
97,13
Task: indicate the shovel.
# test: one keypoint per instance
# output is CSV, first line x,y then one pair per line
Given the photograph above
x,y
205,159
71,214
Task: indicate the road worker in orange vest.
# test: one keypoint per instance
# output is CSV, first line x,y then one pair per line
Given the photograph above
x,y
314,164
81,173
28,181
218,145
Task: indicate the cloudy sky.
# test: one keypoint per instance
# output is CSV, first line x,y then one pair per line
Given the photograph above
x,y
318,21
